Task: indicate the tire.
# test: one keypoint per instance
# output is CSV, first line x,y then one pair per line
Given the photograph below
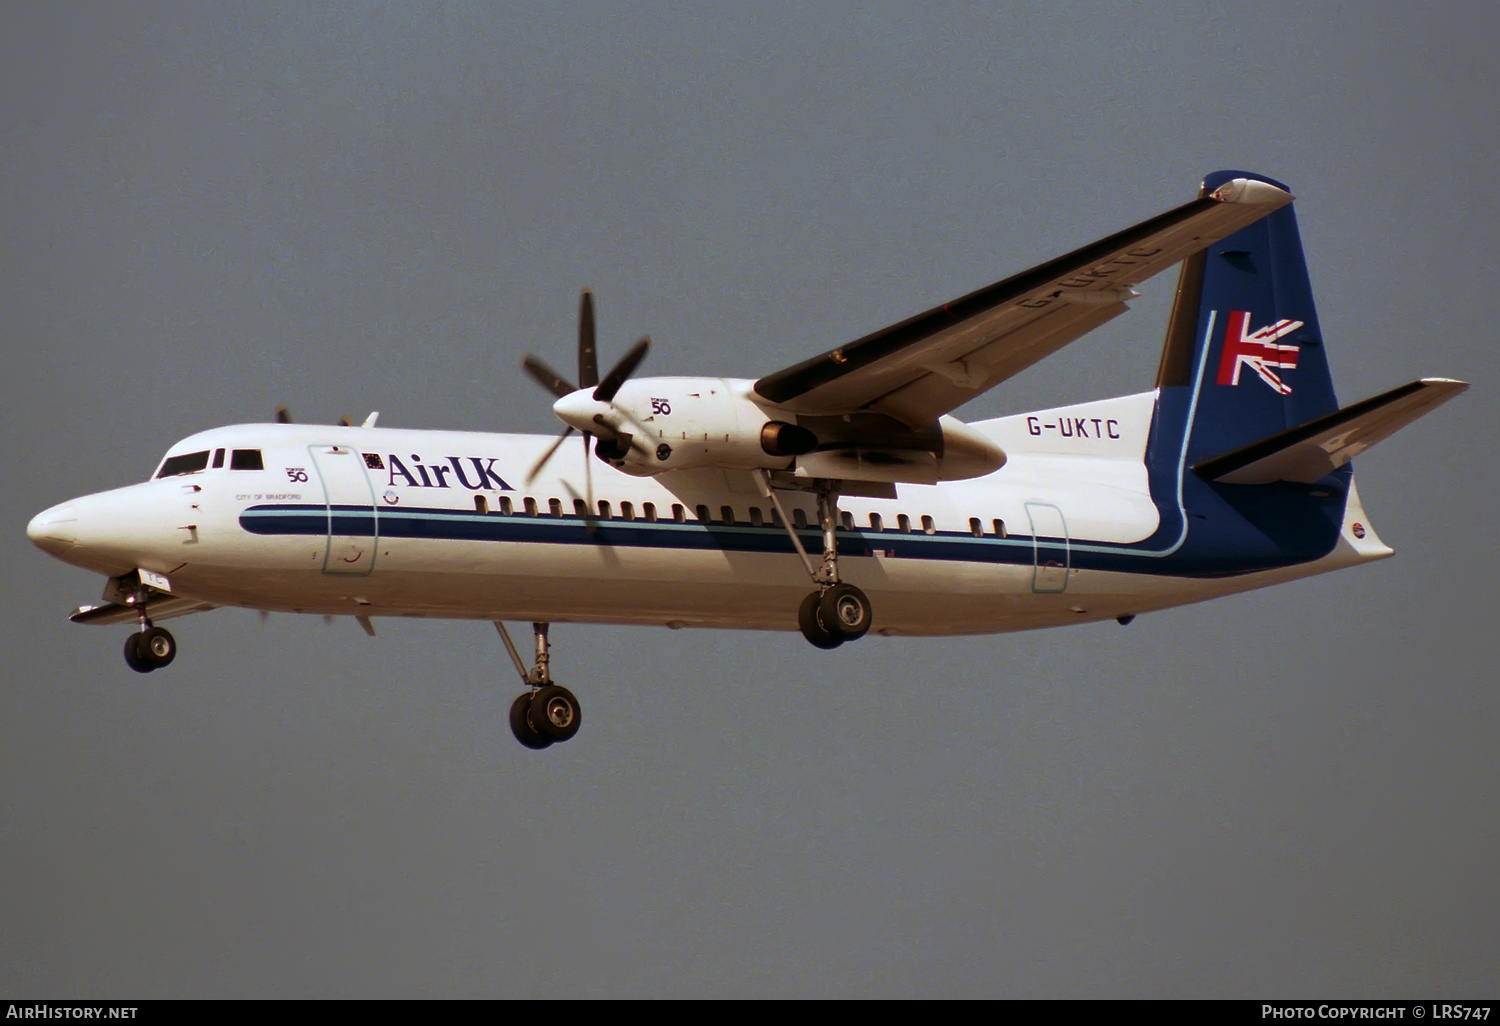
x,y
521,727
157,646
555,713
133,657
811,622
845,611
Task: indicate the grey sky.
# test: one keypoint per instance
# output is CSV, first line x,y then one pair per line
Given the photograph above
x,y
211,209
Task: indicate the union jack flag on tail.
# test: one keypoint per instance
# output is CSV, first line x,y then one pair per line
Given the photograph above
x,y
1257,350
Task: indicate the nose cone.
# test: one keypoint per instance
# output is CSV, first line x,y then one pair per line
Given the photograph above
x,y
54,530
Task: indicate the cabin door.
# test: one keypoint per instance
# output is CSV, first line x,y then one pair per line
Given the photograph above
x,y
1050,550
353,523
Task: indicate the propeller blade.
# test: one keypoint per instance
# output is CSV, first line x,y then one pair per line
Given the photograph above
x,y
590,516
549,378
622,370
588,357
588,469
344,421
552,449
617,430
282,416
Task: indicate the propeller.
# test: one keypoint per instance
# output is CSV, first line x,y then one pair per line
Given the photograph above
x,y
605,391
284,416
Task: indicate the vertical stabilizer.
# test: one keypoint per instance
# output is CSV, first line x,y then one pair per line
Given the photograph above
x,y
1244,353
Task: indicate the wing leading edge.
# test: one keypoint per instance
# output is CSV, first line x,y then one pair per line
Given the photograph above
x,y
932,363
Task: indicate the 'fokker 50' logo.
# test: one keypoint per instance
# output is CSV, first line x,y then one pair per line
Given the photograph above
x,y
1257,350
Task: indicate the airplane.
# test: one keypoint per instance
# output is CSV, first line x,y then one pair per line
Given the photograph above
x,y
838,496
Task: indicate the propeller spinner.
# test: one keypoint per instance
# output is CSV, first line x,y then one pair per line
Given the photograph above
x,y
578,408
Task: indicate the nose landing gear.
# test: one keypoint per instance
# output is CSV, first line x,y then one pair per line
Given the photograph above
x,y
549,713
151,649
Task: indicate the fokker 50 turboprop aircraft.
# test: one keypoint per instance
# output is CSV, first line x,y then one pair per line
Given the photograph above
x,y
726,497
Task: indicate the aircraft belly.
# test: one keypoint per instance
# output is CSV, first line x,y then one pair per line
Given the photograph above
x,y
704,588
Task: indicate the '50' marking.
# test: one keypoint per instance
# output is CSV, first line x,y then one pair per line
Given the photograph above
x,y
660,406
296,474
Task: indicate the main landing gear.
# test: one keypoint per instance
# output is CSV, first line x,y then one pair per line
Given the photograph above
x,y
547,713
836,612
150,649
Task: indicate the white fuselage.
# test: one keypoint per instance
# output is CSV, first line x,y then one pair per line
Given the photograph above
x,y
443,524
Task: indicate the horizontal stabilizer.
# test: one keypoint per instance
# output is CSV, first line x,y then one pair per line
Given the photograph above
x,y
161,607
1321,446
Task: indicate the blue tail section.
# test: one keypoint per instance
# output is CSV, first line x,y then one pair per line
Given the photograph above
x,y
1244,360
1246,335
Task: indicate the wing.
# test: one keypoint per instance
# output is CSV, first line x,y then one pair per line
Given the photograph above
x,y
934,362
161,607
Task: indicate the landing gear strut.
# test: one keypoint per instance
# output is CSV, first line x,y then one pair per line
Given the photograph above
x,y
547,713
836,612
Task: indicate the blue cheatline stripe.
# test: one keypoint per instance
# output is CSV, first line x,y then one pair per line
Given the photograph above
x,y
457,525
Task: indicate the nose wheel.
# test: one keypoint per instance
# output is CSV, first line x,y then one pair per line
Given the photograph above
x,y
149,650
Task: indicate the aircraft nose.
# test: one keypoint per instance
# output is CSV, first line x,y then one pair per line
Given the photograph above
x,y
54,530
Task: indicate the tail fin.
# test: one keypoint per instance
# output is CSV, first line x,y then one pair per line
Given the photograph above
x,y
1244,353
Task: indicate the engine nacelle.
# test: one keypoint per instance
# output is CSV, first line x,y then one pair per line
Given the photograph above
x,y
658,424
684,423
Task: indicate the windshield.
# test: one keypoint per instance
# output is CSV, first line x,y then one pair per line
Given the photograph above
x,y
187,463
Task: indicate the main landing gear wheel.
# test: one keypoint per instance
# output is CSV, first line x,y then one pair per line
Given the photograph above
x,y
555,713
546,714
836,612
150,650
845,611
809,618
520,724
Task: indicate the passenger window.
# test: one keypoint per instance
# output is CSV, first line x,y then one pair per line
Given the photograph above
x,y
554,506
187,463
875,524
648,511
580,508
246,459
903,523
728,514
975,527
999,528
799,518
776,518
530,506
604,510
703,516
481,504
756,519
678,513
848,519
928,525
627,511
505,506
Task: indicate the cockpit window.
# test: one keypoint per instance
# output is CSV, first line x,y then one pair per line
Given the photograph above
x,y
187,463
246,459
